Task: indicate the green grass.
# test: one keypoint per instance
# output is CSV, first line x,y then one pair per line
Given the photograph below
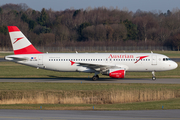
x,y
156,105
2,55
85,86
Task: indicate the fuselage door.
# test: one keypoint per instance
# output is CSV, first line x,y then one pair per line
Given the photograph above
x,y
154,60
40,60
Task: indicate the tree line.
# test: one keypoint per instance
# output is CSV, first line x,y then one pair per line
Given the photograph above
x,y
91,27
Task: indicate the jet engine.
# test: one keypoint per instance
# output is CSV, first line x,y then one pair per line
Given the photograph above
x,y
115,73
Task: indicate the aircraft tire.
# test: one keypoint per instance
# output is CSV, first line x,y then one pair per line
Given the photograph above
x,y
153,78
94,78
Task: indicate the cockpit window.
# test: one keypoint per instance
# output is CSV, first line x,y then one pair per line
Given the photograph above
x,y
166,59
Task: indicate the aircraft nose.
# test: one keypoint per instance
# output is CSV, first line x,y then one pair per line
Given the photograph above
x,y
174,65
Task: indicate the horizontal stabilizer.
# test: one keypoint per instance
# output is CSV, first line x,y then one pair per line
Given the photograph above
x,y
15,58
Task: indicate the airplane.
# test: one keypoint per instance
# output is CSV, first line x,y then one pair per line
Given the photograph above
x,y
114,65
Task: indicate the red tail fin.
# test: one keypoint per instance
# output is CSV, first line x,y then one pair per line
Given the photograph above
x,y
21,45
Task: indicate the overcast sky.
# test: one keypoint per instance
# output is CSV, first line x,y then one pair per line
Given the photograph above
x,y
132,5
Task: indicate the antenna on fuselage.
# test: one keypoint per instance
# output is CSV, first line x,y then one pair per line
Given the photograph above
x,y
76,52
151,52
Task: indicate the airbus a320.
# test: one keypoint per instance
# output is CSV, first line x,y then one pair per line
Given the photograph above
x,y
115,65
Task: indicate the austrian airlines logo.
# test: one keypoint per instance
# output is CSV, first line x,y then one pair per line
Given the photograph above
x,y
140,58
17,39
72,63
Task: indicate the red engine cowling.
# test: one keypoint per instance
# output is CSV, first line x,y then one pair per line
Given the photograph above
x,y
115,73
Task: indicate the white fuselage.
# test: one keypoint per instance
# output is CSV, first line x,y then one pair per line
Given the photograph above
x,y
128,61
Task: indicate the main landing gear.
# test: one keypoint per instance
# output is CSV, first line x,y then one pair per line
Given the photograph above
x,y
95,77
153,75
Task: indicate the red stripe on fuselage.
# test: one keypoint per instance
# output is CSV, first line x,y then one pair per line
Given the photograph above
x,y
13,29
27,50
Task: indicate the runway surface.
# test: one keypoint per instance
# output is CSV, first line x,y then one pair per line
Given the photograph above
x,y
88,80
2,60
89,115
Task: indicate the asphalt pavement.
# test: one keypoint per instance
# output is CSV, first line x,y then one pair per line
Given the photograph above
x,y
89,80
89,115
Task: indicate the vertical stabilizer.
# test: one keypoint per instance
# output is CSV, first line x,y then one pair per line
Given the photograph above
x,y
20,44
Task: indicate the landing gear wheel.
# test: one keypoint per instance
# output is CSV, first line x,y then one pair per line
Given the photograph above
x,y
153,78
153,75
95,77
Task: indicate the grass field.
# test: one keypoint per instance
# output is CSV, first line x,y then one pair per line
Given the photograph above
x,y
71,96
156,105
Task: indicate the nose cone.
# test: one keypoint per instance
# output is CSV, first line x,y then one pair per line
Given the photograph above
x,y
174,65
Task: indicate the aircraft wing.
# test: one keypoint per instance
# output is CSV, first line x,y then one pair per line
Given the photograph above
x,y
100,67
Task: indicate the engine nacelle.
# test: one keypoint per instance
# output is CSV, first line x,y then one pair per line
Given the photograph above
x,y
117,73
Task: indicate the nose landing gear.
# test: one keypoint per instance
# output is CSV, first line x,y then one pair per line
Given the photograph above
x,y
153,75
